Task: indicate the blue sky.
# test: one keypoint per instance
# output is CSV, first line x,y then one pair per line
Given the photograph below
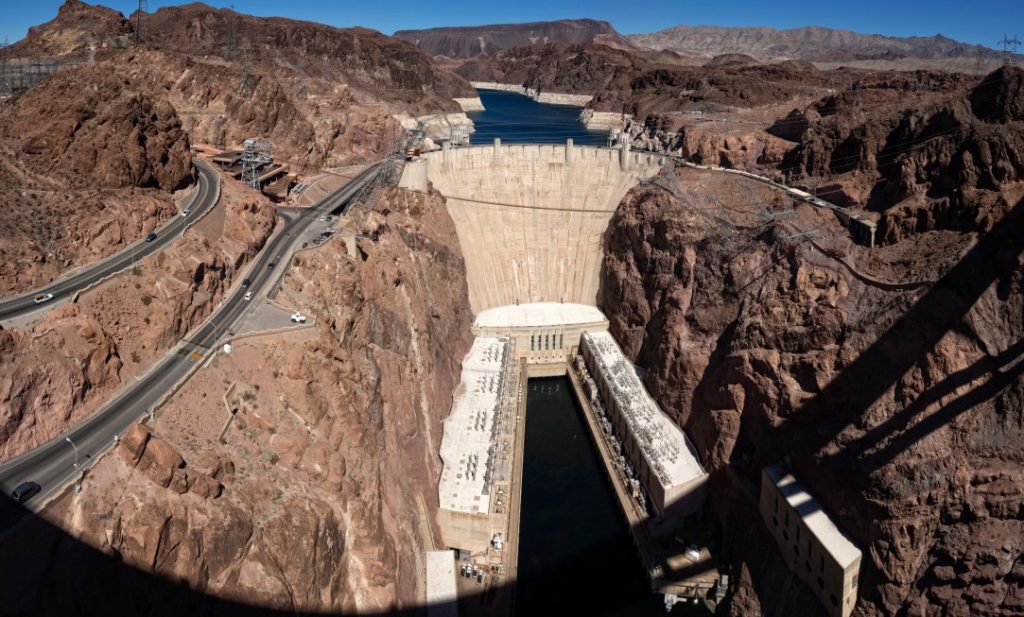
x,y
982,22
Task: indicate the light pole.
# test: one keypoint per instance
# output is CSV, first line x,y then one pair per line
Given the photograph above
x,y
68,439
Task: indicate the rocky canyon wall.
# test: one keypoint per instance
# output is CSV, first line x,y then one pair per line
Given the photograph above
x,y
64,366
318,494
902,410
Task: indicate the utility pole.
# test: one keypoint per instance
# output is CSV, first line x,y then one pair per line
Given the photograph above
x,y
1010,46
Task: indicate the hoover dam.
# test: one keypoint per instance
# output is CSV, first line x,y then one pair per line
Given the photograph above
x,y
532,223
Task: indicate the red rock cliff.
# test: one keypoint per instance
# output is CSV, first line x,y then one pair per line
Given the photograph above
x,y
900,409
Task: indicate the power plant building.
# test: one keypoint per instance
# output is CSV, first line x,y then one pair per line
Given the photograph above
x,y
469,448
813,547
658,451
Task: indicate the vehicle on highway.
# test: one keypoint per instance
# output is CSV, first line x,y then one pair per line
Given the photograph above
x,y
185,212
25,491
270,266
246,283
40,298
151,237
248,295
298,317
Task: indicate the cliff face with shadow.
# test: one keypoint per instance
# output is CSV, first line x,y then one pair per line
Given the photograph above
x,y
901,410
318,495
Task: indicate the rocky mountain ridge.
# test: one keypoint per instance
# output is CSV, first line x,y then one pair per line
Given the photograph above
x,y
473,41
808,43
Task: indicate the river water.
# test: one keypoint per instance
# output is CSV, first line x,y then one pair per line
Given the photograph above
x,y
575,552
518,119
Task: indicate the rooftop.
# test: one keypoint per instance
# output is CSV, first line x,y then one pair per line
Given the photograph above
x,y
666,448
441,584
538,314
468,444
814,516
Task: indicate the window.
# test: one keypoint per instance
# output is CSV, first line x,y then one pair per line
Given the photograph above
x,y
807,565
834,601
821,583
546,341
531,341
785,534
775,520
796,549
561,341
853,583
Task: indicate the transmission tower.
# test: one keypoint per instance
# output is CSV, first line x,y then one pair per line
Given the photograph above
x,y
231,29
5,85
251,79
143,6
1010,47
257,154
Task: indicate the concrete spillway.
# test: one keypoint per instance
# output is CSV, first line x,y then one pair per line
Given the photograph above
x,y
531,218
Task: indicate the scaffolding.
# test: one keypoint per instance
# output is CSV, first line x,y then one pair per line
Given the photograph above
x,y
257,154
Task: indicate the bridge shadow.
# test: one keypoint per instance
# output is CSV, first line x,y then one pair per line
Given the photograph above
x,y
842,403
806,437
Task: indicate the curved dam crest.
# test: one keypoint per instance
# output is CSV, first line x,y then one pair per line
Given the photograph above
x,y
531,218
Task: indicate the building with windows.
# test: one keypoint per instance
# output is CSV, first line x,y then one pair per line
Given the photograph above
x,y
813,547
544,333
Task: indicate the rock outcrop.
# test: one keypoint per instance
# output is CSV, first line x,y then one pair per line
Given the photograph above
x,y
318,494
940,164
63,368
901,410
90,163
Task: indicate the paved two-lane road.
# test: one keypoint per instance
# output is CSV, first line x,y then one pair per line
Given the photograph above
x,y
203,198
52,465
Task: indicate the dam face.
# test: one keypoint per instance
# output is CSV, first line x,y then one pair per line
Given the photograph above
x,y
531,218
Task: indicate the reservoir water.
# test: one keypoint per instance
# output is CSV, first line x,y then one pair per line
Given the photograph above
x,y
575,553
518,119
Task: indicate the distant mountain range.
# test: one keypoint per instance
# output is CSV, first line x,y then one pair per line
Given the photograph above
x,y
474,41
812,43
809,43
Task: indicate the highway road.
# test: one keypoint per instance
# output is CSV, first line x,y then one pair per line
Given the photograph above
x,y
202,199
52,465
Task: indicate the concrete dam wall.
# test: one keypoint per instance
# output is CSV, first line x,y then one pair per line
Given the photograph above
x,y
531,218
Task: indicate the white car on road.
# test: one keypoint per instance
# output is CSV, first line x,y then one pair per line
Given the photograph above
x,y
40,298
298,317
248,295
